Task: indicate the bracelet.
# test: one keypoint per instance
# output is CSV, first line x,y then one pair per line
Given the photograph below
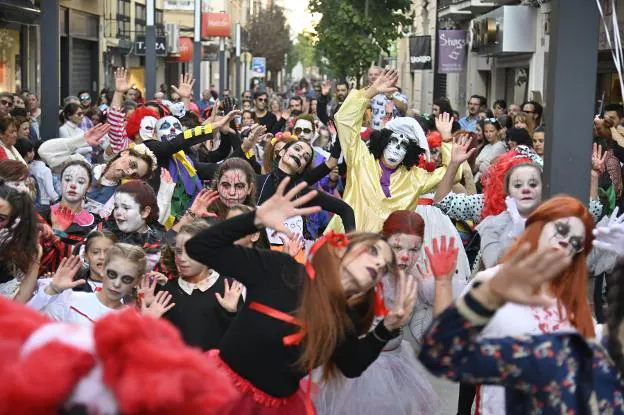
x,y
57,290
191,214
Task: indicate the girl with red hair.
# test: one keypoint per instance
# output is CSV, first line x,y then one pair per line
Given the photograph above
x,y
565,224
394,383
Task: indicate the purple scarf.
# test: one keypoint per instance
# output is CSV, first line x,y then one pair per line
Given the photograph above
x,y
386,172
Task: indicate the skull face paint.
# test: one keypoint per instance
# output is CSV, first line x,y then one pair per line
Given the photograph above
x,y
395,151
75,183
127,214
168,128
146,131
233,188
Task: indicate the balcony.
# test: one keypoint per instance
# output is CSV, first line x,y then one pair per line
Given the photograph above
x,y
461,10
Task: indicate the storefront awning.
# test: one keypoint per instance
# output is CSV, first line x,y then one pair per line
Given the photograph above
x,y
22,11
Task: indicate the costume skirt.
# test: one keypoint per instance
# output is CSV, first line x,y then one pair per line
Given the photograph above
x,y
253,401
393,384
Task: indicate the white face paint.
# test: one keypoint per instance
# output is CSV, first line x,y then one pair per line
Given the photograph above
x,y
127,214
147,128
567,234
75,183
304,130
168,128
525,186
396,150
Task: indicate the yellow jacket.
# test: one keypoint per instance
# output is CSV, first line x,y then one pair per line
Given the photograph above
x,y
363,190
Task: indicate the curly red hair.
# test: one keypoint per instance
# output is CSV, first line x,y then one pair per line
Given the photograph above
x,y
493,182
570,288
133,124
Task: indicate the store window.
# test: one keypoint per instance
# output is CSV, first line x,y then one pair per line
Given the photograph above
x,y
516,85
140,16
10,70
159,22
123,19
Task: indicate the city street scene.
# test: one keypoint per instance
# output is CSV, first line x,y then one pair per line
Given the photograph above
x,y
311,207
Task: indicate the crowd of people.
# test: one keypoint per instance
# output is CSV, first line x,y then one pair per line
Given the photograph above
x,y
258,255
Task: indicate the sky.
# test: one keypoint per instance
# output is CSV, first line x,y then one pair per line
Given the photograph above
x,y
299,18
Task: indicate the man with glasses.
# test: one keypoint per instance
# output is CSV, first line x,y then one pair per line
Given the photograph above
x,y
263,115
469,122
6,104
535,110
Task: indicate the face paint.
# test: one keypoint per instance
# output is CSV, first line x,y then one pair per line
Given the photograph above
x,y
147,128
19,185
127,214
525,186
406,248
233,188
75,183
120,277
396,150
567,234
296,158
365,266
304,130
168,128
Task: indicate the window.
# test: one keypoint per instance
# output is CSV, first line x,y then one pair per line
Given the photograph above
x,y
180,4
140,16
159,23
123,19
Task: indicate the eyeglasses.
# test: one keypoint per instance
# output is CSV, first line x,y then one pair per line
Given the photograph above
x,y
492,120
305,130
6,102
85,98
260,99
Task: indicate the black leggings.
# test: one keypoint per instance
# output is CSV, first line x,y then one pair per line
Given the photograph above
x,y
467,393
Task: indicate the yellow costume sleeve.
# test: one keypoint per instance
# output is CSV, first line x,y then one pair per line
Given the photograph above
x,y
427,182
349,123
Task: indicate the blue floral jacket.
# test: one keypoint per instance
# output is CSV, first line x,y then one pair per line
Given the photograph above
x,y
547,374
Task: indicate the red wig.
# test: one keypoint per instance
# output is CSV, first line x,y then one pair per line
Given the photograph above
x,y
434,139
493,182
133,124
144,362
570,288
404,221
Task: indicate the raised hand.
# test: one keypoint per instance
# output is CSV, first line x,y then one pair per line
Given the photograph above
x,y
425,270
326,87
293,244
519,280
229,299
165,177
95,136
145,292
611,236
443,259
223,123
63,278
461,151
273,212
385,84
161,304
286,114
598,159
121,80
403,303
205,198
444,125
185,86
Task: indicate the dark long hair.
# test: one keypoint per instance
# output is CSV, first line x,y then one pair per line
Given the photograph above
x,y
235,163
379,141
21,249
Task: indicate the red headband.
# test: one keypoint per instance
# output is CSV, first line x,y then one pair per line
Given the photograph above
x,y
338,240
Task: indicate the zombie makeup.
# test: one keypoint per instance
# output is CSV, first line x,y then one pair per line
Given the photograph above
x,y
146,131
168,128
525,186
296,158
75,183
21,186
395,151
233,188
128,215
120,277
304,130
406,249
564,233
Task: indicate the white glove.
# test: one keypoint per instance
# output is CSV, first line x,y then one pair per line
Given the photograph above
x,y
517,220
611,236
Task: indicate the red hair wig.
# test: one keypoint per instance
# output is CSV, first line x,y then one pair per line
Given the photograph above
x,y
403,221
570,288
434,139
133,124
493,182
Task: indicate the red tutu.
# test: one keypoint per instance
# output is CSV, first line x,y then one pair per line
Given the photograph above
x,y
253,401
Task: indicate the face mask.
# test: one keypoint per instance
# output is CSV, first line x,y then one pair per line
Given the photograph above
x,y
396,150
147,128
127,213
168,128
75,183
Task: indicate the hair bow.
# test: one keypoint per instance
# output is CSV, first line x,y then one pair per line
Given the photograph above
x,y
527,152
338,240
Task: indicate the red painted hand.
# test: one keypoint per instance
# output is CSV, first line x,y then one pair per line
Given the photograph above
x,y
443,260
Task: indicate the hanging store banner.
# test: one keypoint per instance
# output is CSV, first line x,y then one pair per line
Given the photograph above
x,y
452,49
215,25
420,53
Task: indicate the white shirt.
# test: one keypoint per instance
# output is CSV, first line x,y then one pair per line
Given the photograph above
x,y
43,175
69,129
203,285
69,306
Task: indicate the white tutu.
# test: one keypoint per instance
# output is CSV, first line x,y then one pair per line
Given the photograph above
x,y
437,224
394,384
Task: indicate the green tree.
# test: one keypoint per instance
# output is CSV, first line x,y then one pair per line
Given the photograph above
x,y
353,33
303,50
269,37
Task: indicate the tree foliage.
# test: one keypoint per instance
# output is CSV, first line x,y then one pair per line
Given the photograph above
x,y
269,37
353,33
303,50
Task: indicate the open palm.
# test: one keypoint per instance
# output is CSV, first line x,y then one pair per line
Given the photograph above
x,y
386,83
443,259
64,276
461,150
